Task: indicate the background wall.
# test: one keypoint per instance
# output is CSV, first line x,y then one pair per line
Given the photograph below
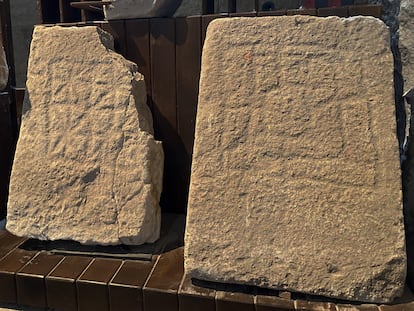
x,y
23,16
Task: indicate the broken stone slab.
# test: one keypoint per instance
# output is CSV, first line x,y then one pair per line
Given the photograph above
x,y
295,180
87,167
125,9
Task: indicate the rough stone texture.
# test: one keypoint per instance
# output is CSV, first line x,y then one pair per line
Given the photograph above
x,y
123,9
87,167
389,15
406,32
296,180
4,69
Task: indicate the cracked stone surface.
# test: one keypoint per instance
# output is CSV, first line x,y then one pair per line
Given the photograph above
x,y
87,167
295,180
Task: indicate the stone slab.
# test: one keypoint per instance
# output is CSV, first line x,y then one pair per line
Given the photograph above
x,y
87,167
295,180
125,9
406,43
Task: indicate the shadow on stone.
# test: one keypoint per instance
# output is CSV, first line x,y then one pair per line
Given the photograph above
x,y
172,233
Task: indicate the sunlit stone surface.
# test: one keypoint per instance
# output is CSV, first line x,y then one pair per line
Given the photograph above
x,y
87,167
296,178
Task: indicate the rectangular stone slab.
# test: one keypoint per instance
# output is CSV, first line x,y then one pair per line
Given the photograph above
x,y
87,167
295,180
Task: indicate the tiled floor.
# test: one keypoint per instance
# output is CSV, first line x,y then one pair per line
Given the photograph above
x,y
40,279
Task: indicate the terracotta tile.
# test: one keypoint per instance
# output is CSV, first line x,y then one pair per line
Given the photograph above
x,y
160,291
8,242
30,280
367,307
367,10
9,266
228,301
302,305
192,297
285,295
125,289
273,303
399,307
92,285
334,11
60,283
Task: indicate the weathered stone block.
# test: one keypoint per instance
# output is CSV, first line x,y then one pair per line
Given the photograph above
x,y
296,179
87,167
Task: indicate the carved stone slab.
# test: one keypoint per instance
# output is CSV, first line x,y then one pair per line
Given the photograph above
x,y
296,179
87,167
